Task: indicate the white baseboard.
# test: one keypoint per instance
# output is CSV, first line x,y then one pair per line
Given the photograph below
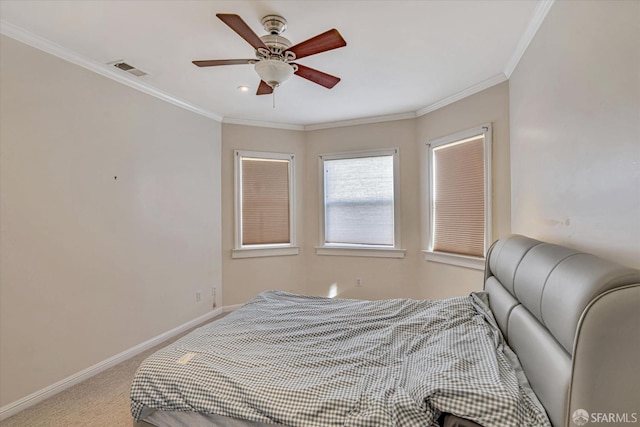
x,y
228,308
40,395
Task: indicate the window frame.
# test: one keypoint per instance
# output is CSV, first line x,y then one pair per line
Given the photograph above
x,y
362,250
447,257
263,250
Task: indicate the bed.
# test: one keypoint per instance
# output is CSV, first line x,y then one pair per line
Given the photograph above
x,y
571,318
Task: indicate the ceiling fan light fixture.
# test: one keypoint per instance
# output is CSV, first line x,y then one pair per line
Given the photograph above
x,y
273,72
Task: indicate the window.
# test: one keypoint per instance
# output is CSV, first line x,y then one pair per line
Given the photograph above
x,y
264,201
459,199
360,204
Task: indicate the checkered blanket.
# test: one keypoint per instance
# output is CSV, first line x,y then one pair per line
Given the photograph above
x,y
312,361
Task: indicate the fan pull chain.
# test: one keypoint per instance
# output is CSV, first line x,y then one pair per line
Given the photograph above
x,y
274,97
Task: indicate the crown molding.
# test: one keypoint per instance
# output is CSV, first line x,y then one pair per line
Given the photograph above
x,y
258,123
539,14
105,70
361,121
492,81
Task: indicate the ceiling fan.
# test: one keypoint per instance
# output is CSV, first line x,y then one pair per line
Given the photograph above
x,y
275,54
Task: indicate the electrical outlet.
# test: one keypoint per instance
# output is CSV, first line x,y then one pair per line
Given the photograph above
x,y
198,296
358,282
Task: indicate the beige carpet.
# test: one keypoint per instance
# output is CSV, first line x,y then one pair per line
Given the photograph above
x,y
100,401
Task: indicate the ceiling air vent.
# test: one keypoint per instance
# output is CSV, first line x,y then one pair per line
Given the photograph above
x,y
128,68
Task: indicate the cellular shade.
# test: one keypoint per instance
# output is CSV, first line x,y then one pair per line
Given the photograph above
x,y
458,206
265,201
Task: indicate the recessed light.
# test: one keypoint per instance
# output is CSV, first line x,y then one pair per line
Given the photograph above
x,y
243,88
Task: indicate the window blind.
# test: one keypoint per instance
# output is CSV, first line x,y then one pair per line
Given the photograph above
x,y
458,199
359,201
265,201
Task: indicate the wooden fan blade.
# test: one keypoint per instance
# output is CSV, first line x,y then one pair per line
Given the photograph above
x,y
321,43
323,79
215,62
239,26
264,88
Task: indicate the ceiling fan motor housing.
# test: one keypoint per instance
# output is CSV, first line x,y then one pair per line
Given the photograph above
x,y
275,26
277,44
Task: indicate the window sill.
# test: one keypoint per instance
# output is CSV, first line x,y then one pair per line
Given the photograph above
x,y
455,259
264,252
361,252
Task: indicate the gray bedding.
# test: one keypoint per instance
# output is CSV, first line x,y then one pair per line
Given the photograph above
x,y
312,361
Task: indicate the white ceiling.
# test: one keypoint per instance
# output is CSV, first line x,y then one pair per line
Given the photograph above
x,y
403,58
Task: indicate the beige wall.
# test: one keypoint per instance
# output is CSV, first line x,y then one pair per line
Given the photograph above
x,y
489,106
575,130
91,265
381,277
310,273
244,278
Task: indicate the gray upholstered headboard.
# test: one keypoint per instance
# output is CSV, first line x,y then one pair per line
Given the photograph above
x,y
574,321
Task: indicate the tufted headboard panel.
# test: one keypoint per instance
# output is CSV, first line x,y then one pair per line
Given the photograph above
x,y
574,321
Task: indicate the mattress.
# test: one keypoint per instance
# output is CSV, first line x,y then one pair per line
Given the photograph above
x,y
311,361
